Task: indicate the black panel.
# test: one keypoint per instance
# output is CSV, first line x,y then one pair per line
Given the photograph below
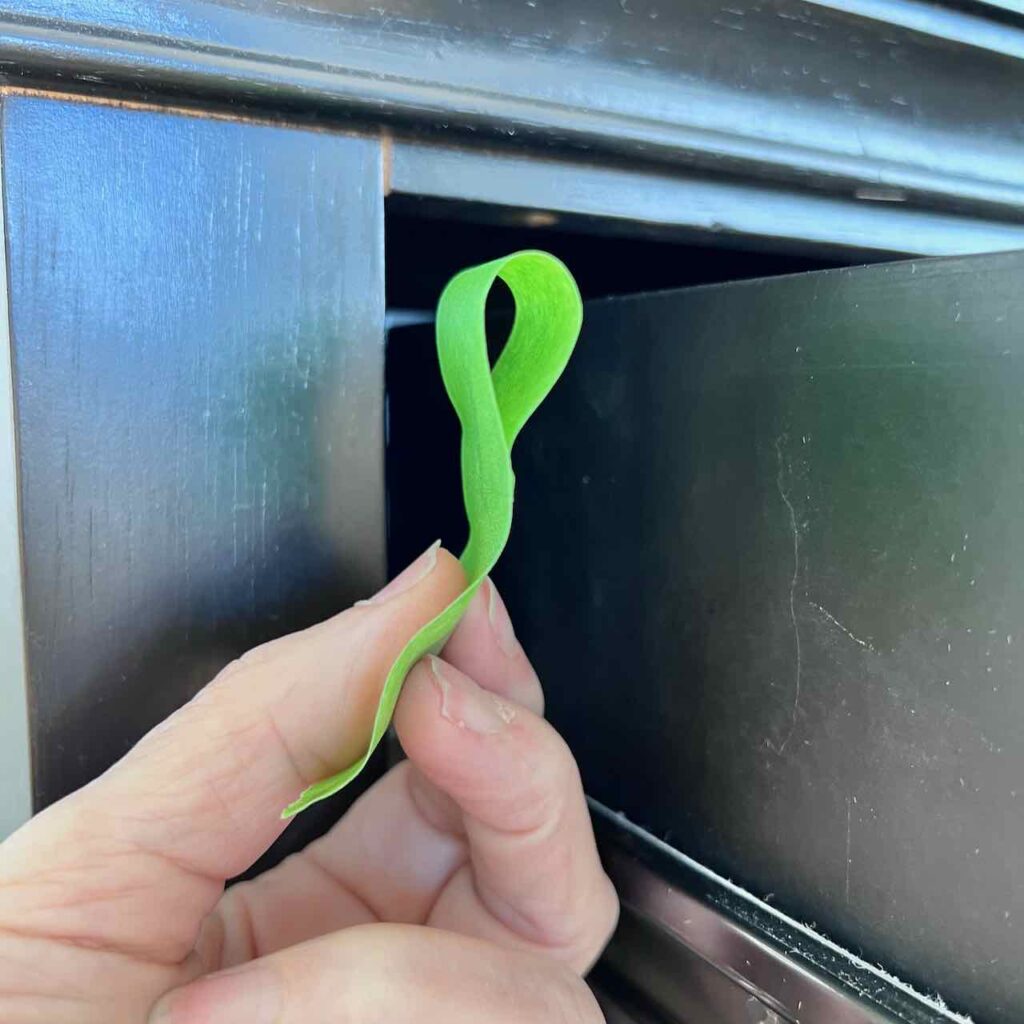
x,y
197,312
767,556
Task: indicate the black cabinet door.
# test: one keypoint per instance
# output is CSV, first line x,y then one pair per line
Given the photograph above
x,y
196,332
769,558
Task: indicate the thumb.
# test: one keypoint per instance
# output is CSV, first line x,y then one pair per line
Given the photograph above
x,y
386,972
135,860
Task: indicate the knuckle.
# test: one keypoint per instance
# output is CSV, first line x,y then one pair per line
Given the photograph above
x,y
535,791
553,781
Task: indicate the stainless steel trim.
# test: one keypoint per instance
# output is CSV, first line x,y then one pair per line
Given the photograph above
x,y
15,763
695,204
783,969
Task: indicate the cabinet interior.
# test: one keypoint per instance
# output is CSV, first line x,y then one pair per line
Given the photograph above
x,y
429,240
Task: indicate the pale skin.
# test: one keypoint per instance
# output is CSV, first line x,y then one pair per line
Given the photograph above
x,y
465,886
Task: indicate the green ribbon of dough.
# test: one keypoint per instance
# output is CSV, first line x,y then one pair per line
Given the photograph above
x,y
492,406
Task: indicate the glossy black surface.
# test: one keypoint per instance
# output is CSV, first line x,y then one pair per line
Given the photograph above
x,y
197,312
767,556
742,631
893,100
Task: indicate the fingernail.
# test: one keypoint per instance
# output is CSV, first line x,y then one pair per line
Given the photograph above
x,y
245,995
466,705
501,624
408,577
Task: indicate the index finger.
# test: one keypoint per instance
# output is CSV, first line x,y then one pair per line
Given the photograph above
x,y
534,877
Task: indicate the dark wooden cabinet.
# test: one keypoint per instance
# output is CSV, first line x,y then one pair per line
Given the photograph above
x,y
780,601
778,614
196,311
766,556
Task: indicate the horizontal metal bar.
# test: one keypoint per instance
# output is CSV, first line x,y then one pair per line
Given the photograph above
x,y
699,204
796,973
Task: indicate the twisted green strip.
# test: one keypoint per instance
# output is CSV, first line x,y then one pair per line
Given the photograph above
x,y
492,406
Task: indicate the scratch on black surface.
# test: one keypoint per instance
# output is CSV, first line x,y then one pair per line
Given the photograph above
x,y
847,849
835,622
792,592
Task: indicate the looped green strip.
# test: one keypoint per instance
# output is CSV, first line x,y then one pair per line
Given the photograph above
x,y
492,406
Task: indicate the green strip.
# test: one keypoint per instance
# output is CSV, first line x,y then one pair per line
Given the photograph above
x,y
492,406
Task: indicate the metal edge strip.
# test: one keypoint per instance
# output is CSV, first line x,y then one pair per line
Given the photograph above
x,y
751,940
702,204
15,747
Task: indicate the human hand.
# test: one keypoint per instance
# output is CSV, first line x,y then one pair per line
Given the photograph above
x,y
463,886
